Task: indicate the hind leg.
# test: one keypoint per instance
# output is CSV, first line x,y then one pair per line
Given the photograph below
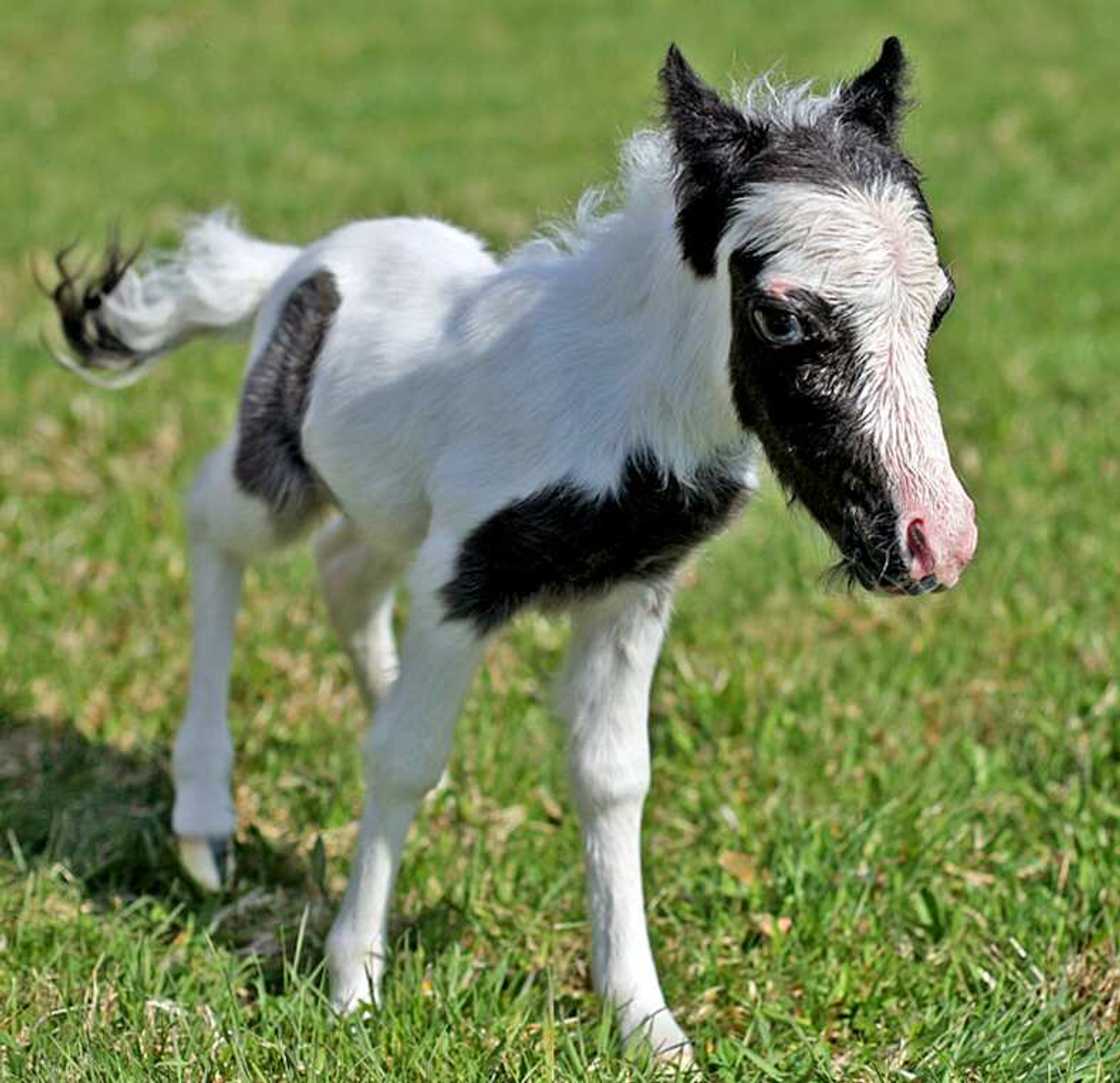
x,y
357,576
226,529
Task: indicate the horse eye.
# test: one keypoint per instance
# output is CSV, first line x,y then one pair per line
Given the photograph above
x,y
777,325
944,303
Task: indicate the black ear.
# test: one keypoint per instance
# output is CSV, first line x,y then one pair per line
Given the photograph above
x,y
877,98
712,142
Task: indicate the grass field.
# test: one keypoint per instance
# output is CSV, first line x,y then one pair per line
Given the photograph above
x,y
882,839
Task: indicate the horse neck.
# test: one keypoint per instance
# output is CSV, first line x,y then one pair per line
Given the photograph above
x,y
651,336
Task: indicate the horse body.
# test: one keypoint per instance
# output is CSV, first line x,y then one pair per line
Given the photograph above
x,y
559,428
472,384
378,416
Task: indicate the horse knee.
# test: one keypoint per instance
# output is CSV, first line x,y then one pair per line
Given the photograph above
x,y
602,781
401,769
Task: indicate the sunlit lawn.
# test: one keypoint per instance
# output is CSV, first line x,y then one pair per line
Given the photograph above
x,y
881,843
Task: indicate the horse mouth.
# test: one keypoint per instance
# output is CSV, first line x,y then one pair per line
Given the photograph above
x,y
915,588
872,558
852,572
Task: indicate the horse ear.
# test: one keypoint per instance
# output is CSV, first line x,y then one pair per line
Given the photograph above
x,y
712,141
693,109
877,98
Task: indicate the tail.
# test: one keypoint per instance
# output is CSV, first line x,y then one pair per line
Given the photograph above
x,y
121,317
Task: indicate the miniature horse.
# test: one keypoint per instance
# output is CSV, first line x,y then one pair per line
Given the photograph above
x,y
559,428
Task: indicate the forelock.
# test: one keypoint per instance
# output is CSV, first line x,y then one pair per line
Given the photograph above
x,y
781,105
867,249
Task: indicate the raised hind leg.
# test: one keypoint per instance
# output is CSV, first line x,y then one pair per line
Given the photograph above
x,y
226,529
357,576
255,493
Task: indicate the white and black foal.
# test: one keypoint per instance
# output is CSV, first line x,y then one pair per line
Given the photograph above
x,y
558,428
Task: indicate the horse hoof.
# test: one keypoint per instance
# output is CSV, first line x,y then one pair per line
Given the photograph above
x,y
658,1036
678,1061
207,861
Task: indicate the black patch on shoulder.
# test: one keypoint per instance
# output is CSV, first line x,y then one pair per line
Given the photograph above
x,y
269,463
564,542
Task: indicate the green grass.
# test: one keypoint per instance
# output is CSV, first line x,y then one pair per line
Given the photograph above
x,y
926,792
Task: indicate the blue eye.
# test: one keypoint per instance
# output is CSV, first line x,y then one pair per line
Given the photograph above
x,y
776,325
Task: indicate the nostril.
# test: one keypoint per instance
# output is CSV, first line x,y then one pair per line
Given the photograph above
x,y
918,544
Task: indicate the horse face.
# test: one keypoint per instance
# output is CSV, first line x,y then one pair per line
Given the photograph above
x,y
818,224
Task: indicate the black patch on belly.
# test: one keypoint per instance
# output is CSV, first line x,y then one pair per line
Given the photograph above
x,y
269,463
565,542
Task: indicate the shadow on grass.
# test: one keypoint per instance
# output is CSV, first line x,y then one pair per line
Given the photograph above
x,y
98,810
103,813
433,930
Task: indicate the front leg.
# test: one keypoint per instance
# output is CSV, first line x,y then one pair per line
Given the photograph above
x,y
615,643
406,751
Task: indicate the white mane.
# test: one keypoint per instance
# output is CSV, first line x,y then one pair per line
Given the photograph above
x,y
783,105
646,169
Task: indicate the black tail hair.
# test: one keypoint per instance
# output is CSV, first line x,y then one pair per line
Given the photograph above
x,y
78,295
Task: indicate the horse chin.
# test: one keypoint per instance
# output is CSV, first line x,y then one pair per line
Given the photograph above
x,y
854,574
855,569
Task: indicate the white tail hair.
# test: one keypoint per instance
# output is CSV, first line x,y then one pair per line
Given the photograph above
x,y
126,314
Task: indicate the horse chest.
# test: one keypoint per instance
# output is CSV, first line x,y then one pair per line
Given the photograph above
x,y
563,542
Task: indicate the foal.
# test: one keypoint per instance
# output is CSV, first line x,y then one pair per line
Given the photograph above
x,y
559,428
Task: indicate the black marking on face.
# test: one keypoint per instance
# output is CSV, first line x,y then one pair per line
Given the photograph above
x,y
835,158
269,462
801,400
565,542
